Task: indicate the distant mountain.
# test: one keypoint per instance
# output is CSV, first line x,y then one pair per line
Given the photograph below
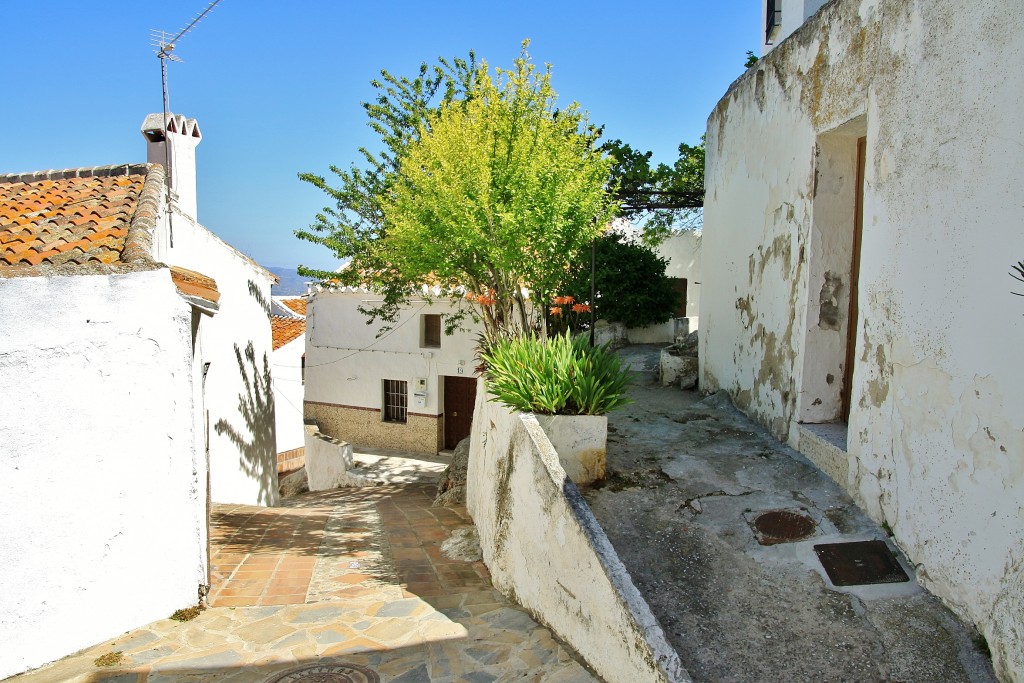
x,y
292,284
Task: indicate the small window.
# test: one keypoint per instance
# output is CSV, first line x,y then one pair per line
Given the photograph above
x,y
772,20
303,368
431,331
396,393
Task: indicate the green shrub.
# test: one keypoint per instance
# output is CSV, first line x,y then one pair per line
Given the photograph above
x,y
556,376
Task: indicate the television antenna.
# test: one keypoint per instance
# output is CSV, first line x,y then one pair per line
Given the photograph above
x,y
164,49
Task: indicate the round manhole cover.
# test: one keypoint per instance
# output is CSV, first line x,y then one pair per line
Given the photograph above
x,y
782,526
328,673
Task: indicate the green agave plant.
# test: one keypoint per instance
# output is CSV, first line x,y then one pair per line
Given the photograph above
x,y
555,376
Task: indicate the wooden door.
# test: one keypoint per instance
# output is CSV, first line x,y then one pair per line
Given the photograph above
x,y
459,399
854,311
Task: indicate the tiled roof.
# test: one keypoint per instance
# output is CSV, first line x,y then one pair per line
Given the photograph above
x,y
192,284
297,305
78,216
286,329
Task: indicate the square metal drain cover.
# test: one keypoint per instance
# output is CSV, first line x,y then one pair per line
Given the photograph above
x,y
860,563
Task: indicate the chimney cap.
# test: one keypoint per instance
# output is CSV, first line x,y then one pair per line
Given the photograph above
x,y
153,127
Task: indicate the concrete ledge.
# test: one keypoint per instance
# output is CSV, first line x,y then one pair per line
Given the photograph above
x,y
825,446
546,551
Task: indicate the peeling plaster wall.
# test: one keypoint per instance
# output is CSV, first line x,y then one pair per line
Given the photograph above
x,y
546,551
936,435
102,498
239,396
346,364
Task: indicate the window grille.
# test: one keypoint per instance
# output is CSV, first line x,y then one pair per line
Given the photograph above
x,y
396,400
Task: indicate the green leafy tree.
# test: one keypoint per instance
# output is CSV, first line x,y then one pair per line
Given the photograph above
x,y
495,196
630,283
661,199
399,115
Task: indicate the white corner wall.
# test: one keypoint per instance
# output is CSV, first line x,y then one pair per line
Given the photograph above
x,y
286,372
683,251
243,446
545,550
935,438
102,499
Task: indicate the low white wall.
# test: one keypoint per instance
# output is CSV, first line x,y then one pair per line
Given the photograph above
x,y
102,498
328,460
661,333
544,549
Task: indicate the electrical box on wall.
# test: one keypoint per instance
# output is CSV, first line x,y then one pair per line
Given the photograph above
x,y
419,394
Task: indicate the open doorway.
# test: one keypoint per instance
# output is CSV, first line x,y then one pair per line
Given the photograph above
x,y
833,309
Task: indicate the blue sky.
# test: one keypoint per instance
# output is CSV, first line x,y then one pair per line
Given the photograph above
x,y
276,86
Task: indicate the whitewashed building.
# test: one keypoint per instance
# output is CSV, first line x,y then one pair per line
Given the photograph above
x,y
862,211
239,421
412,388
683,253
118,357
287,370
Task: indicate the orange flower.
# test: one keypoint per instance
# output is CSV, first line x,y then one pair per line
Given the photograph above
x,y
555,311
581,308
563,300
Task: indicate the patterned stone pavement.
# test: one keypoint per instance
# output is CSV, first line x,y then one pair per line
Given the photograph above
x,y
352,579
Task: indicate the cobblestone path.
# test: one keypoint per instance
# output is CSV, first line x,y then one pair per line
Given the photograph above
x,y
349,583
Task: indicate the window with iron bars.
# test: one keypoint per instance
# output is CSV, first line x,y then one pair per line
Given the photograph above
x,y
396,401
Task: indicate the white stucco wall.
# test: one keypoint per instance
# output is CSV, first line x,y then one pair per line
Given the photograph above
x,y
935,439
545,549
683,252
102,498
243,466
346,361
286,372
794,14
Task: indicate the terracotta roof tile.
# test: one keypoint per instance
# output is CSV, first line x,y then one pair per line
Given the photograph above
x,y
297,305
286,329
193,284
76,216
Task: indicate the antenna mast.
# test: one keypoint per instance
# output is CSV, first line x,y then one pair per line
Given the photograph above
x,y
164,48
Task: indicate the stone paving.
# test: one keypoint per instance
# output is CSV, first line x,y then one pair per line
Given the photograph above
x,y
350,582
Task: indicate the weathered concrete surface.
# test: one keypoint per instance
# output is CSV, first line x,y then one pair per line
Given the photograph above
x,y
545,550
685,475
580,441
935,438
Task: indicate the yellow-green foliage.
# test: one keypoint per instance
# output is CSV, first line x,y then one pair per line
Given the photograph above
x,y
556,376
501,191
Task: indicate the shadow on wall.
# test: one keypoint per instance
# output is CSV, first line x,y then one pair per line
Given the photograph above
x,y
257,293
256,404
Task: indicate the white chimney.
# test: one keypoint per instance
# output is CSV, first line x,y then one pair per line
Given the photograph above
x,y
178,158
